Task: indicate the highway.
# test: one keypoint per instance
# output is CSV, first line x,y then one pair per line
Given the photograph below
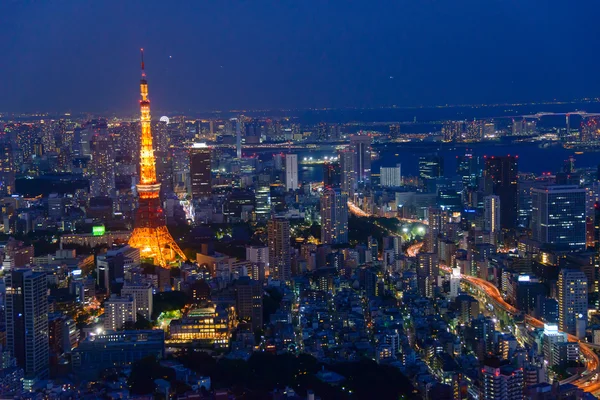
x,y
357,211
587,349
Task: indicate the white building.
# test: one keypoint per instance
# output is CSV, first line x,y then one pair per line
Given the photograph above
x,y
143,298
291,171
258,254
118,311
390,176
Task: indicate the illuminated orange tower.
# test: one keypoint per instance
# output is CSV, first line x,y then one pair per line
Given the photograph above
x,y
150,234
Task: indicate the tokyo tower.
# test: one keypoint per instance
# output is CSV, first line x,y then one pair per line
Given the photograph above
x,y
150,234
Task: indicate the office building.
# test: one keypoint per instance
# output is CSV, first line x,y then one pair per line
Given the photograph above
x,y
391,176
280,264
500,178
118,311
572,299
262,198
291,172
361,145
558,216
143,298
109,271
249,301
431,167
332,174
26,314
116,349
200,171
334,216
469,168
556,347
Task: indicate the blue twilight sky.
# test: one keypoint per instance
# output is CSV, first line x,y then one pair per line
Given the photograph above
x,y
81,55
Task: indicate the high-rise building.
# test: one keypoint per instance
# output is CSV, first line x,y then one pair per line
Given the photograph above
x,y
431,167
469,168
491,212
249,301
262,197
143,298
558,216
332,174
391,176
572,299
200,171
7,166
501,179
280,263
27,321
150,234
361,145
291,172
118,311
427,273
334,216
348,171
438,219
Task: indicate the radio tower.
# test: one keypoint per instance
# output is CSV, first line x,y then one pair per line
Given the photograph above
x,y
150,234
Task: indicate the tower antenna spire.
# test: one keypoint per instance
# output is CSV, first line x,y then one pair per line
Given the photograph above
x,y
143,70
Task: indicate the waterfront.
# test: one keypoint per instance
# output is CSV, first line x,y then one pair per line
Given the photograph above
x,y
532,157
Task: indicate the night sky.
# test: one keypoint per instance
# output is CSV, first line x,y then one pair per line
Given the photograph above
x,y
78,55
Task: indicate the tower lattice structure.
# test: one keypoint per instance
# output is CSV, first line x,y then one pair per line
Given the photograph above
x,y
150,234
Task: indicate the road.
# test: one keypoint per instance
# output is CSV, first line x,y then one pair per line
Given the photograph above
x,y
587,349
414,249
356,210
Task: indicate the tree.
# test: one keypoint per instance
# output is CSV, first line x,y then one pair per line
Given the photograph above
x,y
144,372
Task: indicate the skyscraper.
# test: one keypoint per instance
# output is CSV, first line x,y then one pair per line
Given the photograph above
x,y
430,168
200,173
7,166
572,299
558,216
468,167
150,234
348,171
491,211
334,216
27,321
501,179
291,172
361,144
280,263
